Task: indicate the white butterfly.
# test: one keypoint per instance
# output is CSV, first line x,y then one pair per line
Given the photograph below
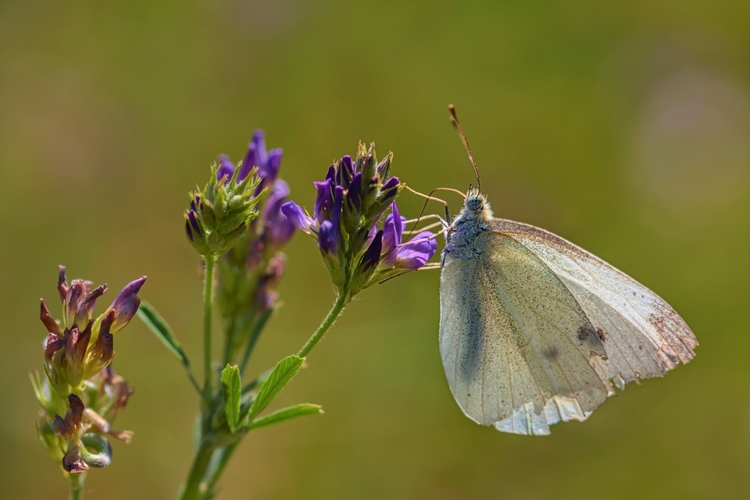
x,y
535,330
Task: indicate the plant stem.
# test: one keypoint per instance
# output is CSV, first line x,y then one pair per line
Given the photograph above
x,y
208,300
194,487
221,457
76,485
224,454
333,314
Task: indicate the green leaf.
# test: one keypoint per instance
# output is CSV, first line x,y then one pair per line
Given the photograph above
x,y
287,414
280,376
231,387
161,329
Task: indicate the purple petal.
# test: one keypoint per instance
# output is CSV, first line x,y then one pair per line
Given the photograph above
x,y
270,168
278,228
338,200
297,216
371,258
256,155
126,304
278,194
192,218
226,168
323,201
417,251
346,161
353,196
327,238
281,232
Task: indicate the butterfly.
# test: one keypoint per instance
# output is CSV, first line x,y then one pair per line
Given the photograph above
x,y
534,330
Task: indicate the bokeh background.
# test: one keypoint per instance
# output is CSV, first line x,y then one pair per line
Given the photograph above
x,y
623,126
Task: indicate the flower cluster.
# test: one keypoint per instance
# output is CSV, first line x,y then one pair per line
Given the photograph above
x,y
79,381
221,213
348,209
252,268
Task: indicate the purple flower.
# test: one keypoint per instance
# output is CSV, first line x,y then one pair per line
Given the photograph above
x,y
410,255
277,229
268,163
126,304
349,207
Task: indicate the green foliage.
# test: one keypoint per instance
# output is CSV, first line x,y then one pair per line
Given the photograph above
x,y
231,387
284,371
287,414
163,332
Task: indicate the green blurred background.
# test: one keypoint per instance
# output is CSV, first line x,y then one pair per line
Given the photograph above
x,y
622,126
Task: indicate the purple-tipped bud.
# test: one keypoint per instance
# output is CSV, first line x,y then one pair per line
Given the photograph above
x,y
194,224
324,200
297,216
353,196
345,172
86,306
390,183
385,166
126,304
225,170
49,323
327,238
54,343
331,174
196,203
371,258
62,283
348,164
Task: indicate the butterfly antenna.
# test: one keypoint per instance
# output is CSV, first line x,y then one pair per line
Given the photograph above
x,y
462,135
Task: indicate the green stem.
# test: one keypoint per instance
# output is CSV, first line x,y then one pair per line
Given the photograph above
x,y
195,487
221,458
254,335
208,299
76,485
327,323
224,454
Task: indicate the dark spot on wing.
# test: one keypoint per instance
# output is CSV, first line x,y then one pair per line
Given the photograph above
x,y
551,353
585,332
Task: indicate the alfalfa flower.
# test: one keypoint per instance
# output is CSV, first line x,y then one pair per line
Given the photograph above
x,y
347,213
252,269
80,393
221,213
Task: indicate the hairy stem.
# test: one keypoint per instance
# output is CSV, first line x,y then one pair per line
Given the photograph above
x,y
333,314
208,302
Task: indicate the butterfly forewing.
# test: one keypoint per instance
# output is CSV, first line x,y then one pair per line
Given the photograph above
x,y
642,335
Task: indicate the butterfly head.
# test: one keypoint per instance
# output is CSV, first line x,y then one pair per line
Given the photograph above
x,y
477,204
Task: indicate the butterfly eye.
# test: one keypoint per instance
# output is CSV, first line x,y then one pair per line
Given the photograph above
x,y
474,202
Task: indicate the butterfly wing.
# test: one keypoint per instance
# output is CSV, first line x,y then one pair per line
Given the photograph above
x,y
643,336
515,344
